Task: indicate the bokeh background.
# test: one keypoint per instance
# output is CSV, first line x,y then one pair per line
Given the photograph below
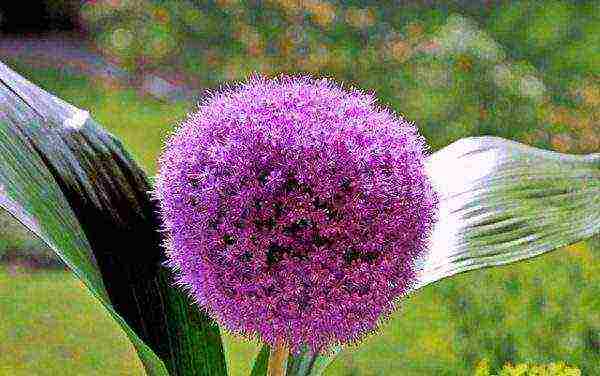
x,y
523,70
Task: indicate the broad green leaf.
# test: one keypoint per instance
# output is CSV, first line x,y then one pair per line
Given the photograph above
x,y
74,186
502,202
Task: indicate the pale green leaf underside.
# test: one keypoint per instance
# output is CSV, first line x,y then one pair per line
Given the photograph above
x,y
502,201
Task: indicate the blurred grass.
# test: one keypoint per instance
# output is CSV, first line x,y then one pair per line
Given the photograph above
x,y
51,325
543,310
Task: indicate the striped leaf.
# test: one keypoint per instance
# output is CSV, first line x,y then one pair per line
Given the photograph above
x,y
74,186
502,202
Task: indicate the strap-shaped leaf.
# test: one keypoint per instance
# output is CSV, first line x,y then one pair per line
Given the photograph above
x,y
502,201
261,363
74,186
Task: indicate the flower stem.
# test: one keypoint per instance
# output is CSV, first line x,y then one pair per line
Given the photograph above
x,y
278,360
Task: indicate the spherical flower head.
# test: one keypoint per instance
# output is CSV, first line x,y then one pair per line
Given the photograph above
x,y
295,210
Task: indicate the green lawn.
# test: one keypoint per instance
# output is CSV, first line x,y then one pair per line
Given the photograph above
x,y
541,311
51,325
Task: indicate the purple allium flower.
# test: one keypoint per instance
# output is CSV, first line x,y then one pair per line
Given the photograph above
x,y
295,210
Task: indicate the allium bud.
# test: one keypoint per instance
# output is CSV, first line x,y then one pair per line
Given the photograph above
x,y
295,210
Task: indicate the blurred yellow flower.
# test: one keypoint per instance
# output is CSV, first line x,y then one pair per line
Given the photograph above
x,y
415,32
360,17
161,15
464,63
290,7
562,142
589,141
322,12
524,369
552,369
483,368
399,50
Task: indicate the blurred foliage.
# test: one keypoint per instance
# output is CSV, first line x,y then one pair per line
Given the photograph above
x,y
524,70
134,32
552,369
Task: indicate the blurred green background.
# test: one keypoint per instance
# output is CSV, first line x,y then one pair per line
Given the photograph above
x,y
523,70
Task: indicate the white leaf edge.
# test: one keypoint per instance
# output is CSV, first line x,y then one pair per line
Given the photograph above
x,y
463,171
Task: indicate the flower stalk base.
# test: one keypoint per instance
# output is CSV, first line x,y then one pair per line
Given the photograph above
x,y
278,360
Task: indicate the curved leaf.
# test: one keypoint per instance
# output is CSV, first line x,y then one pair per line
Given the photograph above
x,y
502,201
74,186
